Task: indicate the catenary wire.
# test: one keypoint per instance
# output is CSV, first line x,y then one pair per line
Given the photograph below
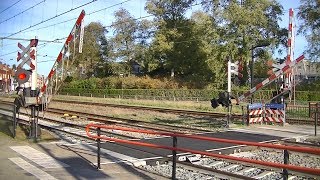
x,y
51,18
10,6
22,12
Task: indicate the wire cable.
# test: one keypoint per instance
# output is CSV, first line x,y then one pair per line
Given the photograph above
x,y
51,18
10,6
8,53
44,27
39,46
22,12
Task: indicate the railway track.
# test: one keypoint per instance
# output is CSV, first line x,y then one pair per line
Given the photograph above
x,y
234,117
213,168
164,110
128,122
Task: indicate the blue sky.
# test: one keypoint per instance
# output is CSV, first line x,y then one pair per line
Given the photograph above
x,y
45,9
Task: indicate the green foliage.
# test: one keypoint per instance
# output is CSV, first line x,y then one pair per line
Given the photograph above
x,y
87,62
178,94
192,52
310,15
308,86
131,82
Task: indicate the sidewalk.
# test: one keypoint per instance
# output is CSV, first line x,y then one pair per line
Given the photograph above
x,y
287,131
24,160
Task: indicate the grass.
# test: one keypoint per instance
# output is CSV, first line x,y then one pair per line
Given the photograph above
x,y
187,105
22,131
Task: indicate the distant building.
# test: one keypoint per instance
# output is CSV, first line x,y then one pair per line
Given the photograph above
x,y
8,82
308,69
5,78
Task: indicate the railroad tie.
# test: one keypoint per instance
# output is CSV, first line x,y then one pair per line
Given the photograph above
x,y
246,170
194,159
264,174
214,164
229,167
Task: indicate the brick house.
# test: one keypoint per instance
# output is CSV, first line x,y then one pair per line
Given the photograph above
x,y
5,78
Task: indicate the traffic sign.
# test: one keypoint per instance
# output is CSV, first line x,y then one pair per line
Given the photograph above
x,y
27,54
236,68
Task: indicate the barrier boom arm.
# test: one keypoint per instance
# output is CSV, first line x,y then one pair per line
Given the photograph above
x,y
270,79
58,66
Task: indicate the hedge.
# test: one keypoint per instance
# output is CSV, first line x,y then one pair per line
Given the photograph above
x,y
177,94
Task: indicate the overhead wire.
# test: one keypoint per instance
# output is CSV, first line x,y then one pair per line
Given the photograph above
x,y
51,18
44,27
16,51
22,12
39,46
10,6
8,53
143,17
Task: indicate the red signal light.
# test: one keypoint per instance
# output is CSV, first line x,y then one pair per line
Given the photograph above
x,y
22,76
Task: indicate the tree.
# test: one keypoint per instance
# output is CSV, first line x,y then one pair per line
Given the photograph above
x,y
206,62
242,24
309,14
123,42
171,30
91,56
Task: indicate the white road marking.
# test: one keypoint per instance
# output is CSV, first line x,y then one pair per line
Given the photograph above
x,y
38,157
31,169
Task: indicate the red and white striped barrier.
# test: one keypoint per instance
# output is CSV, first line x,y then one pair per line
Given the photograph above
x,y
270,79
275,113
255,113
256,120
62,52
269,113
274,119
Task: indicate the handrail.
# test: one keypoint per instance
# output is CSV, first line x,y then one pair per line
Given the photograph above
x,y
264,163
274,146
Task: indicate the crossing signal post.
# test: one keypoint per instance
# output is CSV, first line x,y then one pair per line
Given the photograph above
x,y
27,80
225,97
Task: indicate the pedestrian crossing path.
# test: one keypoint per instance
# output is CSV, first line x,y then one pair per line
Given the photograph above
x,y
38,157
40,174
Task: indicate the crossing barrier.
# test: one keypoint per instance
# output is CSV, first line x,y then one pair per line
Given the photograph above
x,y
267,113
255,113
275,113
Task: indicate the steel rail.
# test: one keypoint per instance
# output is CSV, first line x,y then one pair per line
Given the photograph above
x,y
176,111
129,122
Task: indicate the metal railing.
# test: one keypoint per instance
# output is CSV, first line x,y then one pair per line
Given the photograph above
x,y
174,148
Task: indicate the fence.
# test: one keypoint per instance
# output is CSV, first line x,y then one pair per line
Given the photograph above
x,y
8,119
174,148
304,113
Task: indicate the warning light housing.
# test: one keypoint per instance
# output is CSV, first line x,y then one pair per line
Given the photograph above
x,y
22,76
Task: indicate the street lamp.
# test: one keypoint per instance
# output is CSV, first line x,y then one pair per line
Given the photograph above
x,y
259,44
